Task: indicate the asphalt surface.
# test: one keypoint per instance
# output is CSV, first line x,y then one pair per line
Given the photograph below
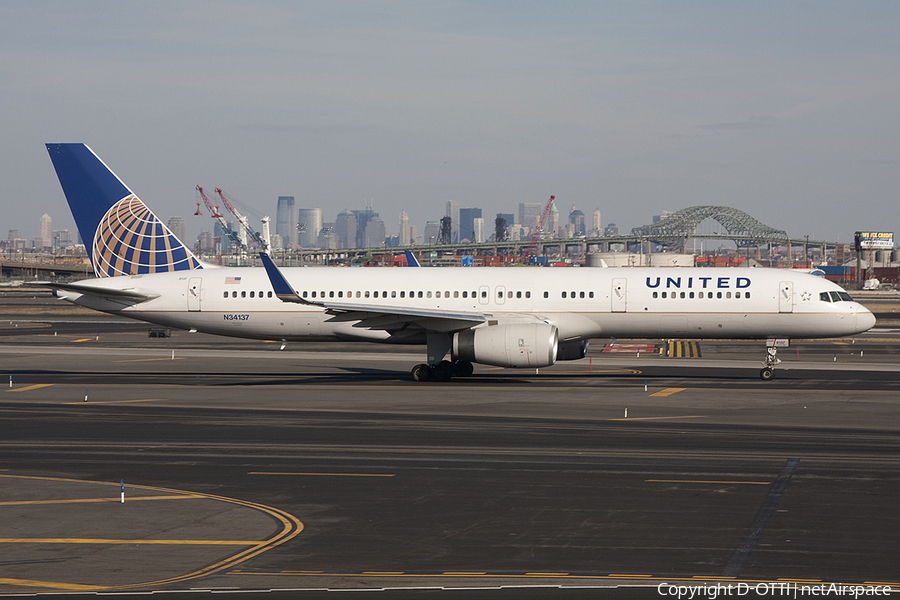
x,y
323,467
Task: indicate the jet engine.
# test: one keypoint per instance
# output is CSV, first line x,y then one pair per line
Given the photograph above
x,y
517,345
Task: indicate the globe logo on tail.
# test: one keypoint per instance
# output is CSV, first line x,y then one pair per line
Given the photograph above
x,y
131,240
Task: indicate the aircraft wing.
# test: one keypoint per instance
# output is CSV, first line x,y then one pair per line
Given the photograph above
x,y
373,316
131,296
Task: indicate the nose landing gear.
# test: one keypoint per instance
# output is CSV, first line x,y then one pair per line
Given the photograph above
x,y
768,371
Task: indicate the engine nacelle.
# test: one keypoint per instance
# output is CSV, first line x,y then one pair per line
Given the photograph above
x,y
517,345
572,350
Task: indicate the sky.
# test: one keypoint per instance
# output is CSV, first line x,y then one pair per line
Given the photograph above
x,y
789,111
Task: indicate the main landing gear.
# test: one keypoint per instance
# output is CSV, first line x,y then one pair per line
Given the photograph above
x,y
442,371
768,371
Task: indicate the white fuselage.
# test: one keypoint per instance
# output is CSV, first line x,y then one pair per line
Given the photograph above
x,y
582,303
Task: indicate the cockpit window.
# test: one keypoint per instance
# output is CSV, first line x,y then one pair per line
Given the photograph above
x,y
845,296
835,297
824,297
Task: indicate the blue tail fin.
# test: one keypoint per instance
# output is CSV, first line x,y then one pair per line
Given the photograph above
x,y
122,235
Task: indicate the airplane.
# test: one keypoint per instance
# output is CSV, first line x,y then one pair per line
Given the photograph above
x,y
527,317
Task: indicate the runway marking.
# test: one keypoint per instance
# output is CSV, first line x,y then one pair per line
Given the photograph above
x,y
291,528
138,541
766,510
581,576
72,587
668,391
81,340
116,401
28,388
92,500
326,474
707,481
654,418
147,359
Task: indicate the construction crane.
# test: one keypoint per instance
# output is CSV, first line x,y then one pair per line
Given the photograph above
x,y
539,227
214,209
245,226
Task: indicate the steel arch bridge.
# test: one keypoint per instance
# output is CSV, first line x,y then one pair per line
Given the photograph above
x,y
744,230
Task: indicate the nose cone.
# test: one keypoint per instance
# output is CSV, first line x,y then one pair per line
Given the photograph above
x,y
865,321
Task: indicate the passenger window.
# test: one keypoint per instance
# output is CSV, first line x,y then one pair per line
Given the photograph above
x,y
253,294
428,295
420,294
573,294
374,294
691,295
341,294
331,294
456,294
226,295
718,294
483,294
402,294
270,294
746,294
546,294
682,294
528,294
260,294
728,294
590,294
835,297
243,294
737,294
367,293
358,294
446,294
663,294
509,294
581,294
699,294
234,294
394,294
465,294
313,294
655,294
518,294
563,294
499,294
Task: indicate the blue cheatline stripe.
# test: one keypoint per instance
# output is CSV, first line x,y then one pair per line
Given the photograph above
x,y
751,538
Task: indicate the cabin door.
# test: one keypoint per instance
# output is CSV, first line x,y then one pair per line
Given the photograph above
x,y
786,297
619,294
193,295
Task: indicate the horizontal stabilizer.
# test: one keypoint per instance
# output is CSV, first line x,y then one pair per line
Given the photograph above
x,y
98,291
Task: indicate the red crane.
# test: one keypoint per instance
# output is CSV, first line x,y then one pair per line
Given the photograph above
x,y
539,227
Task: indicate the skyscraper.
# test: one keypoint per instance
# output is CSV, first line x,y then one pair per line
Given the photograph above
x,y
345,227
453,213
467,218
529,214
309,224
286,220
478,230
405,231
46,230
176,226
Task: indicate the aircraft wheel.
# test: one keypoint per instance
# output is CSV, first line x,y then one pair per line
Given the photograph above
x,y
421,373
767,374
442,371
463,368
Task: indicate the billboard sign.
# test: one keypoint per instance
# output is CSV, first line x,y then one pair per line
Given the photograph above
x,y
874,240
